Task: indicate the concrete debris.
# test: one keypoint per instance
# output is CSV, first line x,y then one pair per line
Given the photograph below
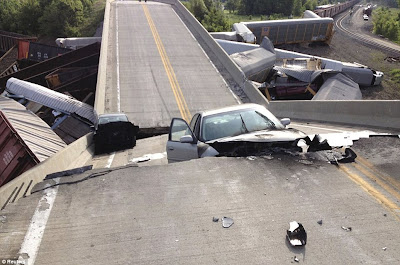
x,y
319,222
384,248
227,222
215,219
296,259
347,229
296,235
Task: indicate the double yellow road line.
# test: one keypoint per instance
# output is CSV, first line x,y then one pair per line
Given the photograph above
x,y
176,89
385,182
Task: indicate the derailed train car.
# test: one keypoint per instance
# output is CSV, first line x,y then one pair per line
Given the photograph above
x,y
332,10
289,31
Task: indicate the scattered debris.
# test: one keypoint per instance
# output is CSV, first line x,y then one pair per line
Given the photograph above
x,y
296,259
251,158
148,157
392,59
348,157
319,222
69,172
384,214
227,222
215,219
384,248
348,229
3,218
296,234
305,162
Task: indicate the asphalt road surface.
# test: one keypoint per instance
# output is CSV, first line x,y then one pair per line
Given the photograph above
x,y
159,70
163,214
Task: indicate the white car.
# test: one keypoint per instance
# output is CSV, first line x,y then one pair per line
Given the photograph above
x,y
231,125
365,17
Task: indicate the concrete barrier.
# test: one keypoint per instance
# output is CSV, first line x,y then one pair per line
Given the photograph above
x,y
231,67
371,113
366,112
99,102
74,155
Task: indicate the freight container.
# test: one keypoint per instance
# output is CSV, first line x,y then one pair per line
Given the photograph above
x,y
288,31
15,156
39,52
9,39
25,140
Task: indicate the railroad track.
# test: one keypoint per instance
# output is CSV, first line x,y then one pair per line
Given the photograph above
x,y
367,40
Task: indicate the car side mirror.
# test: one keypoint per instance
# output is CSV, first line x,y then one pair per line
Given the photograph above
x,y
186,139
285,121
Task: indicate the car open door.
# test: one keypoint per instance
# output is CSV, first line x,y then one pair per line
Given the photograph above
x,y
182,144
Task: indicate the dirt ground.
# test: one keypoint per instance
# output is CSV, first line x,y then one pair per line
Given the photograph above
x,y
345,49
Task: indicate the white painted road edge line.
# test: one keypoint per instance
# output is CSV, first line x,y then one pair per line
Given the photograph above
x,y
117,51
33,237
110,160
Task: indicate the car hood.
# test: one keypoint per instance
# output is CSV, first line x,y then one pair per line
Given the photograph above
x,y
286,135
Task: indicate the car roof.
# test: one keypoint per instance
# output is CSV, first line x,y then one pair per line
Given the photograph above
x,y
231,108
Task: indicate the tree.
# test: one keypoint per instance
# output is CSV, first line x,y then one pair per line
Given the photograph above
x,y
8,15
198,8
215,20
232,5
29,13
61,18
297,8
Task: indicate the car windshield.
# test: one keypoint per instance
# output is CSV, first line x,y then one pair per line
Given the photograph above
x,y
112,118
236,123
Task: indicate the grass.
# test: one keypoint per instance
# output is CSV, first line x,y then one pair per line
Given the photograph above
x,y
395,76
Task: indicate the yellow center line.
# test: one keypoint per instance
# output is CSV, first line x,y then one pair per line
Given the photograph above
x,y
176,89
391,206
377,172
378,181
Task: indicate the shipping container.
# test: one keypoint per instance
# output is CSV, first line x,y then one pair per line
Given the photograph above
x,y
39,52
9,39
15,156
333,10
288,31
25,140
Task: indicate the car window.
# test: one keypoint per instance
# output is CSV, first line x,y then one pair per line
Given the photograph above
x,y
114,118
237,122
178,129
193,121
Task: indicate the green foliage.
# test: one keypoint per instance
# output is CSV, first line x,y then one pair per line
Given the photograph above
x,y
61,18
395,75
54,18
232,5
215,20
297,8
266,7
386,23
9,10
198,8
210,14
